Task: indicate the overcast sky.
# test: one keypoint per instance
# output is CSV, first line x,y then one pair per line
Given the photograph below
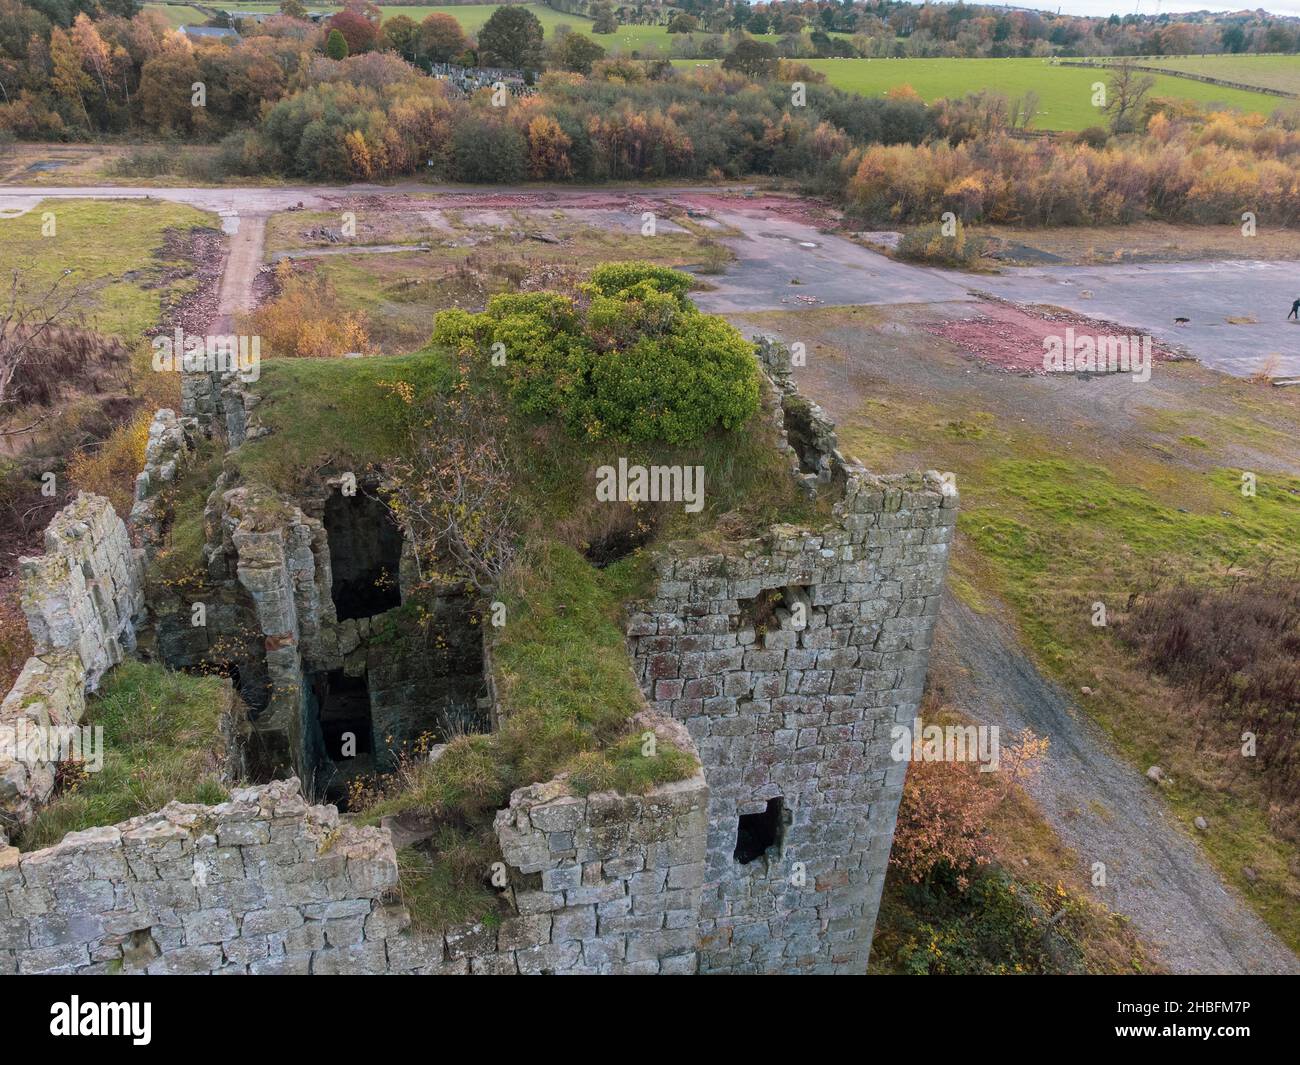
x,y
1149,7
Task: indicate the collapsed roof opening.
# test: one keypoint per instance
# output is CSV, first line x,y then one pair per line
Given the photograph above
x,y
757,833
365,553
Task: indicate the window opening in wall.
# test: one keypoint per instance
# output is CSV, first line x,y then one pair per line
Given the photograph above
x,y
774,609
365,554
757,833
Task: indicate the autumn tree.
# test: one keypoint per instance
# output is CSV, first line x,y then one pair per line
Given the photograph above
x,y
755,59
512,37
166,85
69,81
401,34
603,15
577,53
293,9
441,38
548,148
357,30
1126,92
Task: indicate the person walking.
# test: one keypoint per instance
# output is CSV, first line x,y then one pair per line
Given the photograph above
x,y
1295,311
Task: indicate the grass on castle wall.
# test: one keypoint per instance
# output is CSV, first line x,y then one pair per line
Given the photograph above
x,y
179,560
566,693
565,685
161,743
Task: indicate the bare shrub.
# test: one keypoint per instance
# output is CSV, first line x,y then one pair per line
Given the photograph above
x,y
1235,653
452,497
42,360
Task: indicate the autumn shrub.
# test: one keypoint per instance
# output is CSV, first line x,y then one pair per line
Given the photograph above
x,y
945,808
941,245
637,361
306,319
110,469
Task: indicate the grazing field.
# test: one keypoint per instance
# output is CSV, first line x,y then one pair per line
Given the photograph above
x,y
1064,93
1280,72
178,15
627,39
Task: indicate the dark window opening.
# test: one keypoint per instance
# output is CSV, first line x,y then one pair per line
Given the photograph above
x,y
758,833
343,712
774,609
365,553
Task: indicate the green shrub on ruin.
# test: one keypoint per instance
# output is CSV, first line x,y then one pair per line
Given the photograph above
x,y
636,362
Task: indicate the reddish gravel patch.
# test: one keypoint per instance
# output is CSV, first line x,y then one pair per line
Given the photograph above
x,y
794,208
1011,338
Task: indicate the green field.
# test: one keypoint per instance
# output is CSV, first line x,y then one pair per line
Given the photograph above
x,y
178,15
643,39
1280,72
1064,93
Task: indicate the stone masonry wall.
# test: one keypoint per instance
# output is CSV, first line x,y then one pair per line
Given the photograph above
x,y
82,599
265,883
793,698
801,713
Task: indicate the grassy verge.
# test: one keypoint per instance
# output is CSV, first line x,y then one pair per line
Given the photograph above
x,y
161,742
109,247
1083,494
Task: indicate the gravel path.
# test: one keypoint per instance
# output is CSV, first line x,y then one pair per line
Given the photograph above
x,y
1103,808
784,262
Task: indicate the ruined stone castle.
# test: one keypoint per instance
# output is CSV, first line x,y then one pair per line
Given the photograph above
x,y
781,663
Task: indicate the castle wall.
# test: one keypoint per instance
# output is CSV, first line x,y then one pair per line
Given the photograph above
x,y
82,599
265,883
801,713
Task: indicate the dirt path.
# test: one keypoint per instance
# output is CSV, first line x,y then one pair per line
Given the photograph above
x,y
1103,808
247,239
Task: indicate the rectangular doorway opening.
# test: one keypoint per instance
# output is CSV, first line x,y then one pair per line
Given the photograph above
x,y
341,743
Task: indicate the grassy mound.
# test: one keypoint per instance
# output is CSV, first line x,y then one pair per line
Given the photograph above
x,y
161,742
